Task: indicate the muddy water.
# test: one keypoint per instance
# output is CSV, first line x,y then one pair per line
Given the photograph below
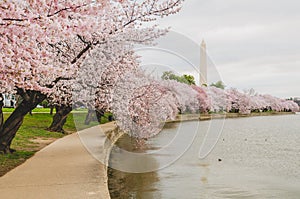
x,y
255,158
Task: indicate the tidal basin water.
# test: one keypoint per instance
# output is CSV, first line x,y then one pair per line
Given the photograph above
x,y
257,157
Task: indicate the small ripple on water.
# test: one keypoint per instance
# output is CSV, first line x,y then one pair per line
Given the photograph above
x,y
231,193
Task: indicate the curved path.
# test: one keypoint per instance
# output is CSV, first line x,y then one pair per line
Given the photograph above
x,y
63,169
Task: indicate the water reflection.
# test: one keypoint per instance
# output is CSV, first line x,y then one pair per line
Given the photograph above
x,y
255,158
131,185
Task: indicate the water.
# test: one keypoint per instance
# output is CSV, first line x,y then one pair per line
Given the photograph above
x,y
256,157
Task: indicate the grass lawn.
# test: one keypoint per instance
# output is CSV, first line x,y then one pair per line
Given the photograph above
x,y
36,110
33,136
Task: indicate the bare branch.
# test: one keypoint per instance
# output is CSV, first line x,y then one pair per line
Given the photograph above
x,y
81,53
11,19
82,39
50,8
4,8
66,9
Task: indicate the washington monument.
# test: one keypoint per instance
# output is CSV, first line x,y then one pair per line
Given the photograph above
x,y
203,65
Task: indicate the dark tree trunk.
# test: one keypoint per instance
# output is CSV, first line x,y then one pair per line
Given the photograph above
x,y
1,113
99,114
60,118
89,117
93,115
10,127
51,109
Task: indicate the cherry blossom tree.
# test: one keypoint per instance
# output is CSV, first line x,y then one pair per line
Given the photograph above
x,y
35,55
203,101
185,95
273,103
46,45
258,103
250,101
141,105
98,74
291,106
217,98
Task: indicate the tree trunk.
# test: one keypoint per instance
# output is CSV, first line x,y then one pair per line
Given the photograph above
x,y
51,109
89,117
60,118
10,127
99,114
1,113
93,115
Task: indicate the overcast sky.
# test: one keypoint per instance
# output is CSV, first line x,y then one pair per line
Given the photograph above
x,y
252,43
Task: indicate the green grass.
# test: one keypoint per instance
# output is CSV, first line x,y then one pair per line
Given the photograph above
x,y
36,110
33,131
79,117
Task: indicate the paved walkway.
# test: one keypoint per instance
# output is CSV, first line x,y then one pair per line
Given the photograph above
x,y
63,169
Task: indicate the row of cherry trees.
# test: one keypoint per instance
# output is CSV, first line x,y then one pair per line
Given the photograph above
x,y
80,53
214,99
142,104
45,42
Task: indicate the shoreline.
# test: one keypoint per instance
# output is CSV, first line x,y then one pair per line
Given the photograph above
x,y
206,116
108,136
114,134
